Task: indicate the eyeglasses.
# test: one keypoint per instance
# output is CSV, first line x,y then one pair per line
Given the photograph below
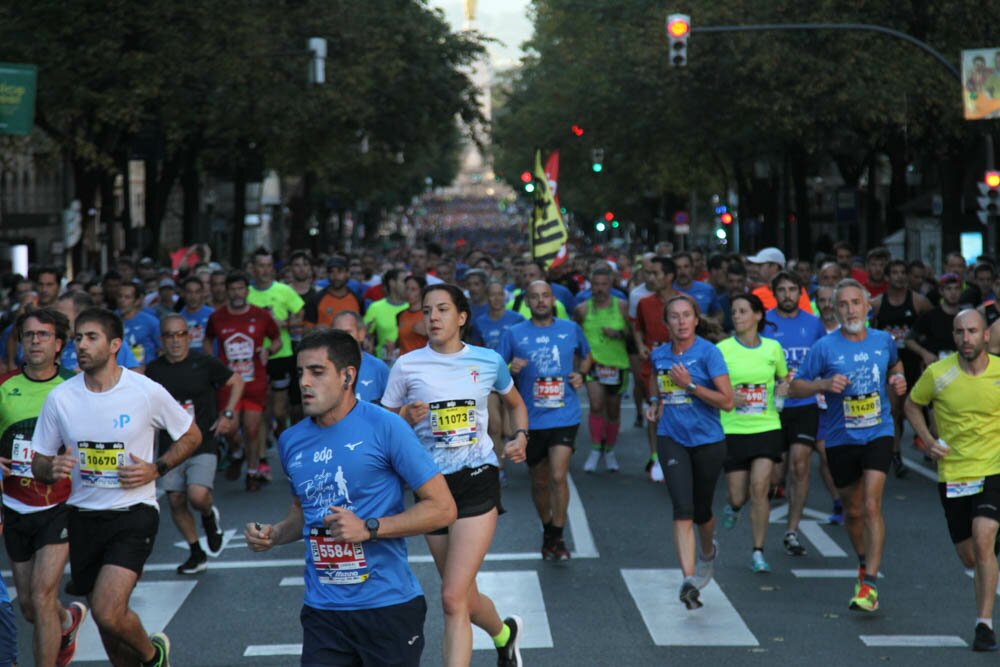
x,y
172,335
37,335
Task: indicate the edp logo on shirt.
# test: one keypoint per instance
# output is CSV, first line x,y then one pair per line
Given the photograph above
x,y
323,456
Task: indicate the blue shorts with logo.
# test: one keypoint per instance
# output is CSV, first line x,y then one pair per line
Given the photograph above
x,y
392,635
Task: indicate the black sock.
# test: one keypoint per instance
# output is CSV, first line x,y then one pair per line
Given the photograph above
x,y
861,561
156,657
756,549
557,532
871,580
196,549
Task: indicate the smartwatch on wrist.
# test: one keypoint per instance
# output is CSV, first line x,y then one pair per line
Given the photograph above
x,y
372,525
162,468
527,435
691,387
228,414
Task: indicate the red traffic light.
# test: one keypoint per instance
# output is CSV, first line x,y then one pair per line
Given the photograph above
x,y
577,130
992,179
726,218
526,177
609,216
678,28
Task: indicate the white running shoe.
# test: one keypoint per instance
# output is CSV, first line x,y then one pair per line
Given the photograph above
x,y
592,460
610,462
704,569
656,472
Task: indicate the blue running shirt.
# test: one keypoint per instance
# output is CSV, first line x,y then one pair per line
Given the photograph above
x,y
862,413
197,323
360,463
142,335
372,378
796,335
704,294
686,419
544,382
456,388
490,331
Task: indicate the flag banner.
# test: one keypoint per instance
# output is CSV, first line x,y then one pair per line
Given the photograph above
x,y
547,230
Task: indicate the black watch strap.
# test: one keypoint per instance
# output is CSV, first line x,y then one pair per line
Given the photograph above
x,y
162,468
527,434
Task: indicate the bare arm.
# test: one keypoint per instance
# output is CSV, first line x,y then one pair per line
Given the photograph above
x,y
261,537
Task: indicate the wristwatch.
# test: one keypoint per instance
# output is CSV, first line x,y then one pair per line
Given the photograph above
x,y
691,387
372,526
527,435
162,468
228,414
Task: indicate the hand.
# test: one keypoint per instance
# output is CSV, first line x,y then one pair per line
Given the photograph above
x,y
517,364
414,412
514,450
345,525
5,466
643,351
223,425
264,355
62,466
936,451
739,400
781,388
837,384
259,537
611,333
652,412
136,474
575,380
898,383
680,375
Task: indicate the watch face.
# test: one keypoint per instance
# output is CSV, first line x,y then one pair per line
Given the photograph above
x,y
371,524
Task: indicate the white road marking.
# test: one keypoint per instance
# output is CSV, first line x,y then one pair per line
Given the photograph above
x,y
264,650
227,536
583,539
155,602
824,543
828,574
778,514
914,641
670,624
293,581
921,470
517,593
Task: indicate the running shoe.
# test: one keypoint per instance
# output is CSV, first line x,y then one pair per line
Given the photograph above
x,y
986,639
898,468
235,466
690,595
730,517
836,518
67,648
860,580
610,462
866,599
194,564
593,459
213,531
548,549
704,569
509,655
253,482
264,470
559,550
758,564
776,492
655,471
792,545
162,645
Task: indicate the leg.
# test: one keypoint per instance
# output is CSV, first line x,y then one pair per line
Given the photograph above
x,y
736,485
559,457
984,535
200,498
853,521
706,464
49,564
22,582
122,633
680,484
540,493
798,458
252,433
181,515
684,543
595,394
279,406
873,483
760,511
612,418
824,470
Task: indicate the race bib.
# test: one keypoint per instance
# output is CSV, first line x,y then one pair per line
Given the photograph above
x,y
453,423
962,489
899,335
337,562
754,397
671,393
862,411
99,463
20,457
549,392
240,353
608,375
139,352
188,406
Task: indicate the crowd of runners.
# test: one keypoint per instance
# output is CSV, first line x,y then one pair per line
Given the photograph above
x,y
358,376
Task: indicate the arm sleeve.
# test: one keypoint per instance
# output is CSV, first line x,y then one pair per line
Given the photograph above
x,y
294,302
47,438
923,391
893,352
167,413
395,387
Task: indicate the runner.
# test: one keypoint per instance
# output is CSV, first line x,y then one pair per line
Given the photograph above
x,y
549,359
380,316
766,265
218,295
754,439
532,272
853,366
72,304
142,330
442,390
931,337
34,513
192,377
797,330
965,391
336,298
363,605
195,312
701,292
373,375
604,319
241,330
106,418
410,322
824,304
876,262
691,385
476,282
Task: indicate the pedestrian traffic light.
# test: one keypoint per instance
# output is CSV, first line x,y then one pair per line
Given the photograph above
x,y
678,30
615,224
526,177
597,160
720,234
576,130
726,218
989,203
529,187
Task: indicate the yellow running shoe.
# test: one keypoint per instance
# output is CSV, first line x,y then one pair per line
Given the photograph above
x,y
866,599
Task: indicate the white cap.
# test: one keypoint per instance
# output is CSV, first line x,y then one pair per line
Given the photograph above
x,y
768,256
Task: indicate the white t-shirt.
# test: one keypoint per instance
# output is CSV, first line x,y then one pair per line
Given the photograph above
x,y
634,297
101,429
456,388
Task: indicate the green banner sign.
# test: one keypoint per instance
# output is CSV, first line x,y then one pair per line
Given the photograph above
x,y
17,98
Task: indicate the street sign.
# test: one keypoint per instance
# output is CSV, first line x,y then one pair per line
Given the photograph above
x,y
682,229
981,83
18,84
681,218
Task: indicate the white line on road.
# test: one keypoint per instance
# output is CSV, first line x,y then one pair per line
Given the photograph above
x,y
583,539
828,574
670,624
515,593
266,650
824,543
778,514
914,641
920,470
227,537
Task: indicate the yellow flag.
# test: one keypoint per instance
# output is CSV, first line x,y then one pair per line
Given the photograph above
x,y
548,231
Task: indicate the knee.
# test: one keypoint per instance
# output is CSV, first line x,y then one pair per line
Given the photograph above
x,y
178,501
559,478
852,511
759,489
200,498
872,508
984,546
105,615
800,469
454,600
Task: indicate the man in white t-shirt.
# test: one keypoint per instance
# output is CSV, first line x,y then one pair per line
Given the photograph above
x,y
104,421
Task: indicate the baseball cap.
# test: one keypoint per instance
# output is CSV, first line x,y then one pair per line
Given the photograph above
x,y
167,282
768,256
949,278
336,263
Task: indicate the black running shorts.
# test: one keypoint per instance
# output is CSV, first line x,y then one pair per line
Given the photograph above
x,y
848,462
959,512
541,439
109,537
476,491
24,534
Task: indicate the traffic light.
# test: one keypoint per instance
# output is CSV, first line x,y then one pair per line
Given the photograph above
x,y
526,177
678,29
989,203
726,218
609,216
600,226
721,234
576,130
615,224
597,160
529,187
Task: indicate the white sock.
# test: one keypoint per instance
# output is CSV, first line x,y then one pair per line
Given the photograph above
x,y
67,620
988,622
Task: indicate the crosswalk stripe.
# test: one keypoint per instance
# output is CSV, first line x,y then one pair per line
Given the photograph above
x,y
265,650
914,641
828,574
583,539
155,602
824,543
670,624
515,593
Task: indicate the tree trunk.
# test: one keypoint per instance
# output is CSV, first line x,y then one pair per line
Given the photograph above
x,y
193,231
239,217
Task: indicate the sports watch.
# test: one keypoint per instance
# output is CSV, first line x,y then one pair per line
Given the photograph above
x,y
691,387
228,414
372,526
162,468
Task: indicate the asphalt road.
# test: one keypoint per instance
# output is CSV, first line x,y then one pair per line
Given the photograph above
x,y
616,601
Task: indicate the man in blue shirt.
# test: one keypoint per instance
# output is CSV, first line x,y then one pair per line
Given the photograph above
x,y
195,312
373,374
72,304
703,293
853,367
346,465
549,358
142,330
488,328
